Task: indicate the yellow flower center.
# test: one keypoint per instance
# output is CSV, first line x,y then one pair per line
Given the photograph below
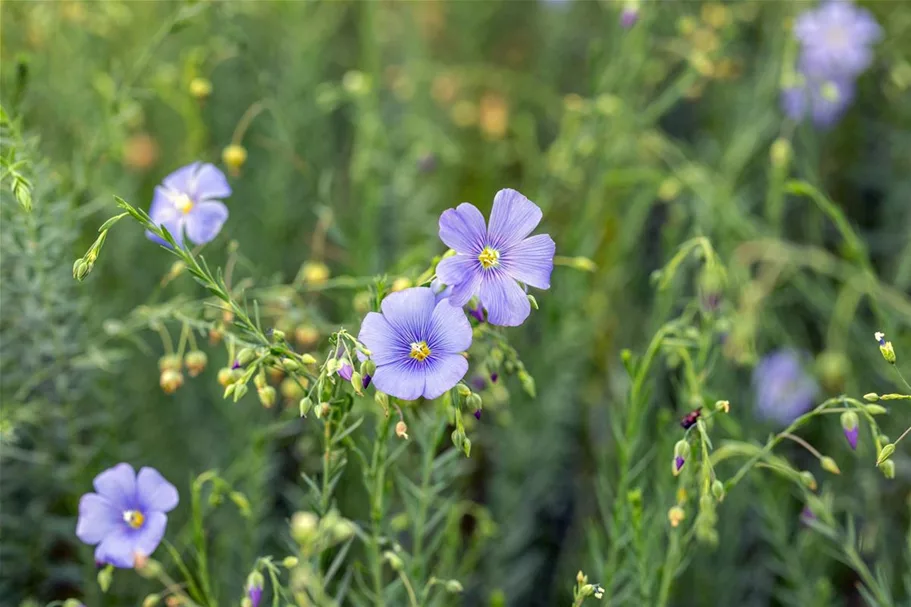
x,y
419,351
829,92
134,518
184,203
489,258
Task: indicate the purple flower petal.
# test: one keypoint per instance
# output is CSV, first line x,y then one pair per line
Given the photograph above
x,y
512,218
477,414
147,538
97,518
205,220
400,379
442,373
506,303
209,183
163,209
464,273
449,331
384,343
463,229
409,311
678,463
851,435
531,261
118,486
117,548
346,371
182,179
154,493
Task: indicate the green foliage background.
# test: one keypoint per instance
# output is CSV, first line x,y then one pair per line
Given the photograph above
x,y
369,119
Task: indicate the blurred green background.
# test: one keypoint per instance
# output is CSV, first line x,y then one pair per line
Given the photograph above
x,y
362,122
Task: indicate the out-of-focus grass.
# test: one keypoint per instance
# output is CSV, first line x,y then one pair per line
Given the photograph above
x,y
369,118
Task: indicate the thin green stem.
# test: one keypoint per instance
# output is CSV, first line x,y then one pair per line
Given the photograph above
x,y
377,475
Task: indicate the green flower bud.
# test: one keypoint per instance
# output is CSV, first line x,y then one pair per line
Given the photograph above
x,y
888,468
304,526
454,586
357,382
306,403
240,390
342,530
875,409
151,600
829,465
368,367
587,590
718,490
81,269
682,449
849,420
394,560
871,397
463,390
290,562
290,365
196,362
474,401
245,356
266,396
382,399
885,453
332,365
278,334
308,359
808,480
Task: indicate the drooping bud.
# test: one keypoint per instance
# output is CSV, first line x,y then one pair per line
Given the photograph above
x,y
871,397
850,425
245,356
808,480
266,396
681,452
357,382
234,156
888,468
718,490
885,453
196,362
306,403
225,376
395,562
170,381
829,465
454,587
169,362
630,14
463,390
290,562
255,588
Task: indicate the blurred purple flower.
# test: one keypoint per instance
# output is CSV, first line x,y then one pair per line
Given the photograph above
x,y
825,100
851,435
189,199
492,260
784,390
835,39
678,463
126,516
416,344
255,594
806,515
629,16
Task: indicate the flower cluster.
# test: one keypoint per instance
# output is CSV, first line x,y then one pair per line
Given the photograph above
x,y
835,41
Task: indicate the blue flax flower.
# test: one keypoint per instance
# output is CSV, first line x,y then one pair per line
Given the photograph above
x,y
416,344
189,199
835,39
784,390
126,516
492,259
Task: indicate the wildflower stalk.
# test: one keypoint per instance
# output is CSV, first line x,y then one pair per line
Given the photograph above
x,y
199,538
420,520
376,475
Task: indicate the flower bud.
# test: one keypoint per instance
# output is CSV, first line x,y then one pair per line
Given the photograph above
x,y
290,562
401,430
266,396
584,264
304,526
850,425
780,153
885,347
581,578
225,376
888,468
394,560
306,403
675,516
196,362
290,365
808,480
314,272
463,390
240,389
245,356
342,530
885,453
255,584
587,590
234,156
829,465
474,401
200,88
454,587
871,397
875,409
323,410
151,600
357,382
718,490
81,269
723,405
170,381
382,399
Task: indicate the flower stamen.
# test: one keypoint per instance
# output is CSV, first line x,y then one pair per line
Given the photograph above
x,y
184,203
134,518
419,351
489,258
